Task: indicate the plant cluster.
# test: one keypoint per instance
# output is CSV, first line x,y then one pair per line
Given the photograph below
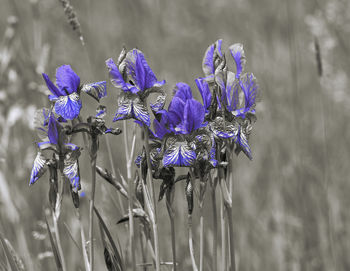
x,y
200,136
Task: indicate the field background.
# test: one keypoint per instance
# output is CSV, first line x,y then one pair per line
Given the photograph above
x,y
291,203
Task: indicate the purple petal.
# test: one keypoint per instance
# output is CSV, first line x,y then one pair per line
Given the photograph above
x,y
208,61
140,112
158,104
223,129
193,115
160,128
229,90
116,77
124,108
242,141
183,91
55,91
67,79
203,87
250,89
238,55
68,106
179,154
71,171
150,79
218,44
135,68
96,90
39,168
176,110
52,130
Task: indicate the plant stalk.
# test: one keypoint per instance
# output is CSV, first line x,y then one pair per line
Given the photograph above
x,y
190,242
152,192
172,226
215,226
58,241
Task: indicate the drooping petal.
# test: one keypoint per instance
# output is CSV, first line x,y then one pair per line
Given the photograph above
x,y
238,55
208,61
124,108
39,168
223,129
96,90
66,79
68,106
51,86
140,112
179,154
194,113
204,90
183,91
53,129
242,141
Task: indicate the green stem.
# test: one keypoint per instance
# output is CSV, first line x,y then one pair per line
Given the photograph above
x,y
172,226
151,188
91,214
190,242
58,241
215,226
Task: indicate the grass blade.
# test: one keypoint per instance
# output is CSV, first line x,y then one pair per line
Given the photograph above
x,y
111,251
14,261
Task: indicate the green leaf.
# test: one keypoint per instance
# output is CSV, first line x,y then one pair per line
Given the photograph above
x,y
13,259
54,248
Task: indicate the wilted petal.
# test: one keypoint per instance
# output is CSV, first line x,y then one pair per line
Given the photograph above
x,y
223,129
140,112
204,90
179,154
55,91
208,61
124,108
193,116
96,90
68,106
39,168
238,55
101,111
67,79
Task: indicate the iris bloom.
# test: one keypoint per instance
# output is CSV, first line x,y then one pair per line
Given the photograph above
x,y
180,129
238,93
53,138
135,78
66,95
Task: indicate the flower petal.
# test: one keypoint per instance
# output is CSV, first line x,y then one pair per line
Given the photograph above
x,y
204,90
67,79
68,106
135,68
158,104
179,154
223,129
218,44
250,89
193,116
96,90
242,142
53,129
183,91
116,78
238,55
71,167
124,107
39,168
208,61
51,86
175,111
140,112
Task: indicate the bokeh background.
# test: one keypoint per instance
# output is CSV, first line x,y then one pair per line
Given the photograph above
x,y
291,203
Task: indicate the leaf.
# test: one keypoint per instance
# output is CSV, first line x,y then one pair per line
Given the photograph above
x,y
54,248
113,259
14,260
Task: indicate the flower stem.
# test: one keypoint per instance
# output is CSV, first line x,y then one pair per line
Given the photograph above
x,y
190,242
172,226
91,214
201,222
151,188
215,226
130,199
58,241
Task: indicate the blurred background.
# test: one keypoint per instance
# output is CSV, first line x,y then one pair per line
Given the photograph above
x,y
291,203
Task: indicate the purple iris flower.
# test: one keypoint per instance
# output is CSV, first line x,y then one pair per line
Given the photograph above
x,y
179,127
135,78
66,94
53,137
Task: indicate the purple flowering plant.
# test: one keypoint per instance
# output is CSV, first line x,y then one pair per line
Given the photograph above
x,y
187,135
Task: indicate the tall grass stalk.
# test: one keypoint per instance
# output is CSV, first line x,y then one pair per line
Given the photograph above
x,y
152,192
